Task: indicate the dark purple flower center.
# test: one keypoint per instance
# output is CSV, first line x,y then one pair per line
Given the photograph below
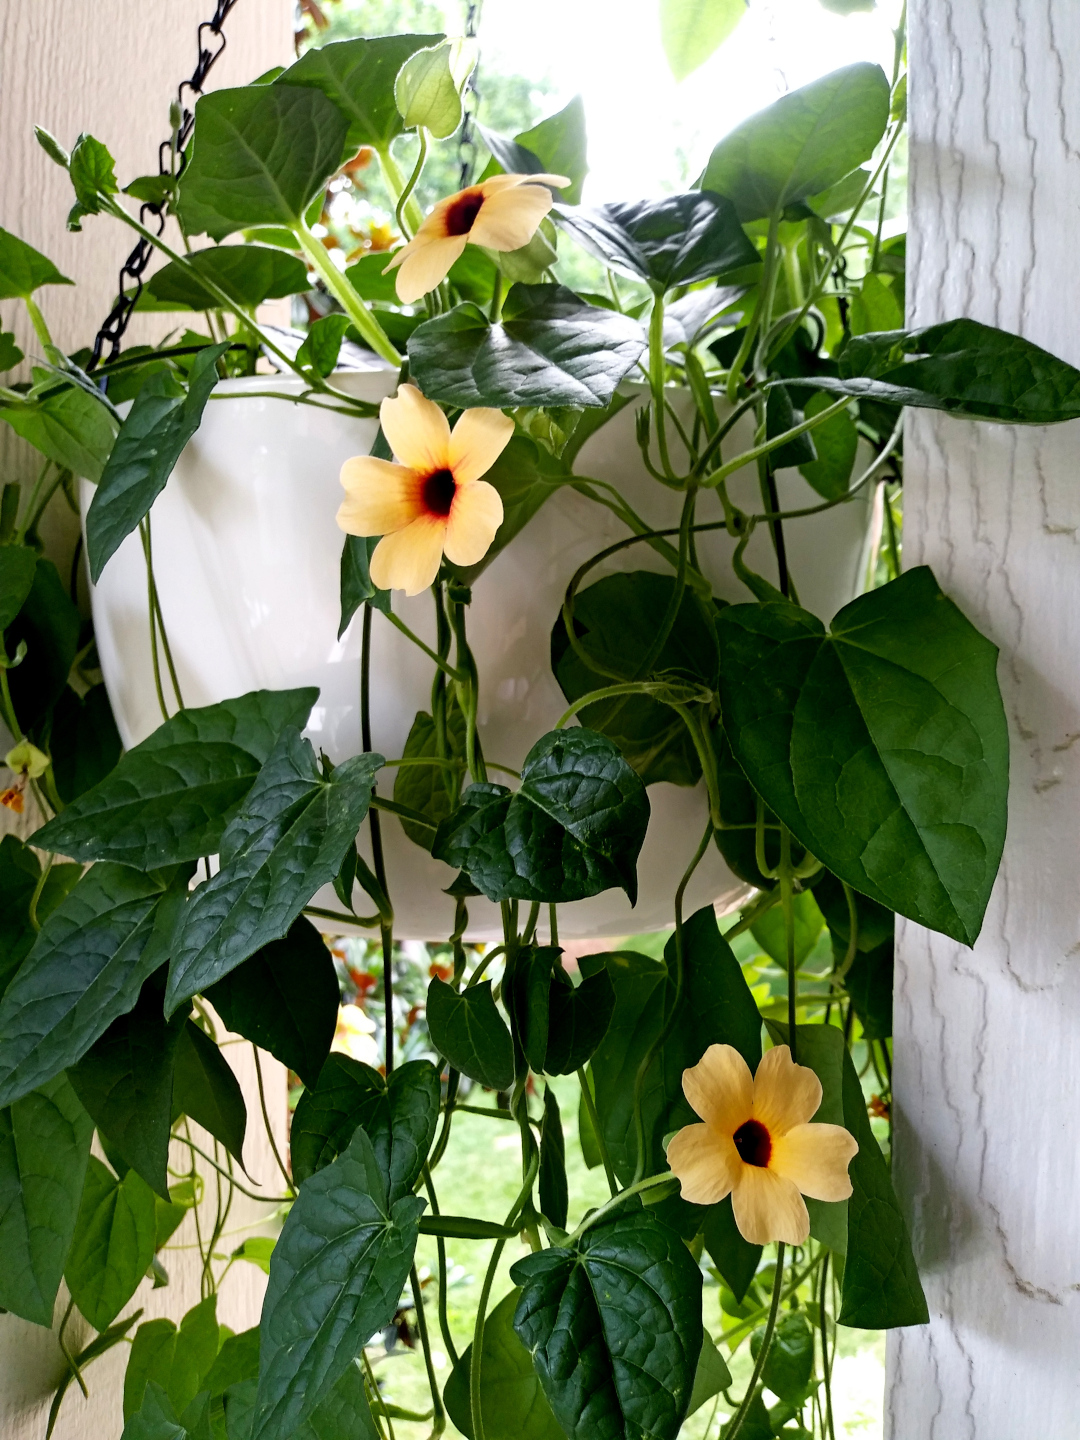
x,y
753,1143
439,491
462,211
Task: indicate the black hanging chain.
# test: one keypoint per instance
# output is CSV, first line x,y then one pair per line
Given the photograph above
x,y
471,99
171,159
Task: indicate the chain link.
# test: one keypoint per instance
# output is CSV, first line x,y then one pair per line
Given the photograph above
x,y
171,159
471,102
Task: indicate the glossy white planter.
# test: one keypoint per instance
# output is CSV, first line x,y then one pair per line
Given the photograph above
x,y
246,554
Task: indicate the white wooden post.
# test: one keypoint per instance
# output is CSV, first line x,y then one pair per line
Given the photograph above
x,y
111,67
988,1040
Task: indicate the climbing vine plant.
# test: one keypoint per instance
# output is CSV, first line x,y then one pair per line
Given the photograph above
x,y
848,772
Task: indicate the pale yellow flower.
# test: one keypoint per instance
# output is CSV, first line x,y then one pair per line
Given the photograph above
x,y
502,213
756,1144
355,1036
433,503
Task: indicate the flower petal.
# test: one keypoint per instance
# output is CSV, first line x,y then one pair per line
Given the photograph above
x,y
768,1207
508,219
706,1163
425,262
409,559
495,183
381,496
785,1094
475,515
720,1088
416,430
479,438
816,1159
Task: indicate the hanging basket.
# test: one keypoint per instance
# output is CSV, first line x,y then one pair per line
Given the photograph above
x,y
246,549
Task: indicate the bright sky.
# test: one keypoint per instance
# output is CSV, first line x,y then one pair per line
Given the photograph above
x,y
648,135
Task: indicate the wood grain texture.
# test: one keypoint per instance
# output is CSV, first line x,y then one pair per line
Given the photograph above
x,y
111,67
988,1040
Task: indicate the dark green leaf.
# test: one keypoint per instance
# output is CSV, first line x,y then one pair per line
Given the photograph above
x,y
526,993
160,423
735,1258
85,742
716,1008
49,623
322,346
44,1148
876,306
736,836
970,370
781,416
236,1361
789,1366
770,929
431,790
113,1244
573,829
335,1279
614,1327
399,1117
259,156
550,349
358,76
343,1415
367,279
177,1360
125,1082
615,619
19,871
206,1090
10,354
248,274
692,29
17,566
171,797
677,240
712,1374
836,441
289,837
870,984
513,1405
356,586
875,923
464,1227
170,1214
756,1426
151,189
578,1019
882,744
558,143
86,967
803,143
92,173
467,1030
24,269
67,425
554,1196
285,1000
156,1419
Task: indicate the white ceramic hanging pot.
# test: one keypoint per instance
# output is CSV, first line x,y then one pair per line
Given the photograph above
x,y
246,554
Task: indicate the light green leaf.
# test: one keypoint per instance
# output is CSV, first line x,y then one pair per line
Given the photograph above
x,y
248,274
44,1149
882,744
837,443
803,143
322,346
770,931
875,306
431,790
513,1405
428,88
559,144
256,1250
259,156
67,425
712,1374
113,1244
692,29
177,1360
23,269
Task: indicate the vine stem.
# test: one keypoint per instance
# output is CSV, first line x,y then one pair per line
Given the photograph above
x,y
763,1354
826,1366
386,923
787,901
594,1121
601,1212
346,296
73,1364
440,1246
421,1324
266,1121
478,1341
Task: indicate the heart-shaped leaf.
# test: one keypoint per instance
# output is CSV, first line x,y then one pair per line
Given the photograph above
x,y
125,1083
468,1031
578,1019
289,837
206,1090
285,1000
882,743
513,1405
49,623
44,1148
358,76
430,790
171,797
677,240
335,1279
692,29
259,156
803,143
17,566
178,1360
549,349
86,967
162,420
113,1244
574,828
429,85
85,742
964,367
67,425
248,274
555,146
24,269
614,1327
610,619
